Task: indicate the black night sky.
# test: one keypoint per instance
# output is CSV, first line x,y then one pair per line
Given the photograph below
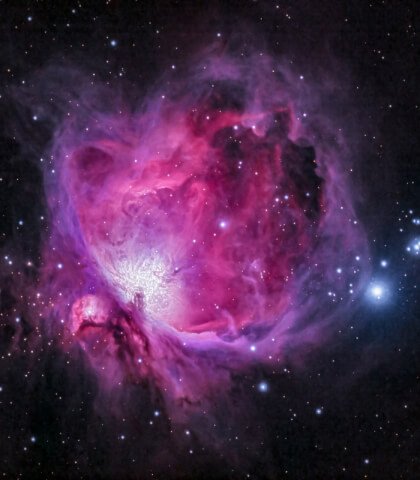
x,y
345,408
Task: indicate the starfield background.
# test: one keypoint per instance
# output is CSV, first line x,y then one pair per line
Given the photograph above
x,y
210,240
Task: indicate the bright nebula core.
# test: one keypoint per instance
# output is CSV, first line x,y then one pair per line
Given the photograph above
x,y
203,231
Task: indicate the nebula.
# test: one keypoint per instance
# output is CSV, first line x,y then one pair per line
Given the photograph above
x,y
207,229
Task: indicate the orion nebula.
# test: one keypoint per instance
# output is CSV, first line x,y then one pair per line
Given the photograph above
x,y
204,231
209,240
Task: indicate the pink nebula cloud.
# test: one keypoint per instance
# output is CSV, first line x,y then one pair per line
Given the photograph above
x,y
201,232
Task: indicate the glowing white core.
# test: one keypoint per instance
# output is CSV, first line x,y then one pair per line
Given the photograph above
x,y
148,283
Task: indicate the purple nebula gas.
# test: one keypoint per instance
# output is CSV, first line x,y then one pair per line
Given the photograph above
x,y
208,229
